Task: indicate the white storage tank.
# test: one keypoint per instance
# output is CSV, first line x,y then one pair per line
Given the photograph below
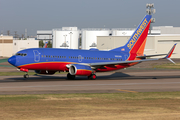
x,y
89,37
122,32
66,39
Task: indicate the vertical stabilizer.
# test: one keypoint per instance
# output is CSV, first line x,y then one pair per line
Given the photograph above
x,y
137,41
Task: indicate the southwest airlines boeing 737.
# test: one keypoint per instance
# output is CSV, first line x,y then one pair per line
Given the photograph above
x,y
86,62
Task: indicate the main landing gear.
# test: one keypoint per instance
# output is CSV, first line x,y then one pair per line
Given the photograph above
x,y
92,76
70,77
26,75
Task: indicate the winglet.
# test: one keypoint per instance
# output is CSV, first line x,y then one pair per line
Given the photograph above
x,y
170,53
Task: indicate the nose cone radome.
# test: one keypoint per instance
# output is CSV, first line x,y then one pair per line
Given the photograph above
x,y
12,60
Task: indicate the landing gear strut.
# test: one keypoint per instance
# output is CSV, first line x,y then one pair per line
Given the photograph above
x,y
26,75
70,77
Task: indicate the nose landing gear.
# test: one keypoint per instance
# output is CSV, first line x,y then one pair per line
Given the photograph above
x,y
26,75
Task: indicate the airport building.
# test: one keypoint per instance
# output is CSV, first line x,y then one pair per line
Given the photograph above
x,y
10,46
6,46
24,44
159,42
44,35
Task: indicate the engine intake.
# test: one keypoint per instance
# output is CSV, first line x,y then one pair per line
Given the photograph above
x,y
77,69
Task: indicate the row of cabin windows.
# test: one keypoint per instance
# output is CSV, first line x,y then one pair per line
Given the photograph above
x,y
50,56
90,58
95,58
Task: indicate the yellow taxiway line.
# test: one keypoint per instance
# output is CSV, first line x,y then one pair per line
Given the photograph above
x,y
127,91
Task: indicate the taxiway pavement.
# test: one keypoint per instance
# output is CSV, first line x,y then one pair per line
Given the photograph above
x,y
108,82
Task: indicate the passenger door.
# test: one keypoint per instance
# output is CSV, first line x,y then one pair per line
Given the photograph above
x,y
36,56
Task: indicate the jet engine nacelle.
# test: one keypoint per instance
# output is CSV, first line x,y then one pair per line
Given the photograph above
x,y
77,69
45,72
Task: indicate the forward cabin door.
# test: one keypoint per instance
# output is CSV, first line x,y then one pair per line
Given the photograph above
x,y
36,55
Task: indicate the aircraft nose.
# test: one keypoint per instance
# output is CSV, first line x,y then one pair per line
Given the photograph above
x,y
12,60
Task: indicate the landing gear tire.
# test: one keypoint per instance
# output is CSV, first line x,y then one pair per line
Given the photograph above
x,y
70,77
92,77
26,76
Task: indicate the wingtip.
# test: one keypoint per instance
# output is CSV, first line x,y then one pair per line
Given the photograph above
x,y
171,51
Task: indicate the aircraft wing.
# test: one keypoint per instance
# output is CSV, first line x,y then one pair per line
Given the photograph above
x,y
121,62
134,61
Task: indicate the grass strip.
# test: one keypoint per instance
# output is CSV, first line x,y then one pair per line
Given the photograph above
x,y
151,105
3,60
168,66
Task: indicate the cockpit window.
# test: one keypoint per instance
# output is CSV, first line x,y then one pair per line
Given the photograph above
x,y
24,54
21,54
18,54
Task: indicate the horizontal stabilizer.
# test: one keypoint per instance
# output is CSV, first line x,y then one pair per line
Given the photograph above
x,y
136,61
151,55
